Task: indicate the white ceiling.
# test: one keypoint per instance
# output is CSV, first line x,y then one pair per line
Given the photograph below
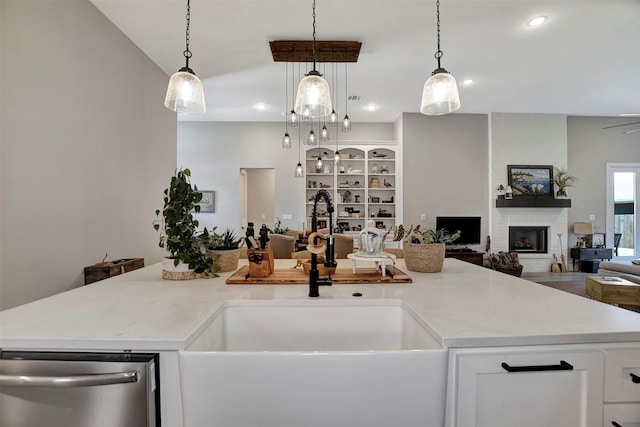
x,y
584,61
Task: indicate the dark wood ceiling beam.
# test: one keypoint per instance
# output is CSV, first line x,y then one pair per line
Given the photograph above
x,y
326,51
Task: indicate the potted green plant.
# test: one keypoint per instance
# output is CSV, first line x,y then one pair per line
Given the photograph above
x,y
178,229
223,249
278,229
562,179
424,251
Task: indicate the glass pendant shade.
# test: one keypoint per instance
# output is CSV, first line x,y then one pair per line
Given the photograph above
x,y
286,141
313,98
299,172
440,94
185,93
319,164
311,140
333,118
336,157
324,133
346,124
293,119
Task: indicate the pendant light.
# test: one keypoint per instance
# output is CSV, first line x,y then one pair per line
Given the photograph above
x,y
440,93
346,122
299,170
293,117
319,159
313,98
185,93
286,139
311,139
324,134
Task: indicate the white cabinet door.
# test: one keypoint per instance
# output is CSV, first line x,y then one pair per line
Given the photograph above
x,y
622,414
528,388
622,375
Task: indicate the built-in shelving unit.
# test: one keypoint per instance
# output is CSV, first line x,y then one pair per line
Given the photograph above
x,y
532,202
362,185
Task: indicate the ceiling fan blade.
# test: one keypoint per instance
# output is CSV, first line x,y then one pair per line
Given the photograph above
x,y
617,126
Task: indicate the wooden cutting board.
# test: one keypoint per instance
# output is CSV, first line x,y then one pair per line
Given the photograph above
x,y
296,276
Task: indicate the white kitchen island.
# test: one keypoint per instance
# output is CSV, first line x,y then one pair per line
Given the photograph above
x,y
481,316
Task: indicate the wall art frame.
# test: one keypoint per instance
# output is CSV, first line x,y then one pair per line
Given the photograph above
x,y
531,181
208,201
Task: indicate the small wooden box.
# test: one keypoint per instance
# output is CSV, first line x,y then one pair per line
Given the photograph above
x,y
104,270
614,290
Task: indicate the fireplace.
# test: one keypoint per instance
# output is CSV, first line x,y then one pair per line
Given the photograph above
x,y
528,239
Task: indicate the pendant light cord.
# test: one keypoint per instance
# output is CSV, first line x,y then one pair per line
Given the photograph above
x,y
314,35
439,53
187,52
286,97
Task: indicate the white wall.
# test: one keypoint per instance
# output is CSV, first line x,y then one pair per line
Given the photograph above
x,y
215,152
528,139
87,147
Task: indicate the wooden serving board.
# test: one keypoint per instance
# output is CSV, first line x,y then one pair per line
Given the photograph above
x,y
296,276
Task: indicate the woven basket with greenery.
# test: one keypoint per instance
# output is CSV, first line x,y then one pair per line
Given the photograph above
x,y
424,258
226,259
424,251
223,249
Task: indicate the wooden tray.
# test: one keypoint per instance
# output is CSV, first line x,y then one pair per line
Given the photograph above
x,y
295,276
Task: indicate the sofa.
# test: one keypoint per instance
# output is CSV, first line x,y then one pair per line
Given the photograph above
x,y
629,270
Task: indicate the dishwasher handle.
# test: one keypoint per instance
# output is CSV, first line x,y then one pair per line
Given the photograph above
x,y
70,381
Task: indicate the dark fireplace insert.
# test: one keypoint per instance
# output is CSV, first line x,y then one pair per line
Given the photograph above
x,y
528,239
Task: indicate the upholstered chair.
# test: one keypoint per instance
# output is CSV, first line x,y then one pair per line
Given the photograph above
x,y
282,245
343,245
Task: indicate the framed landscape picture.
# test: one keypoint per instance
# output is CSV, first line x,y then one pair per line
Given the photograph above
x,y
531,180
208,202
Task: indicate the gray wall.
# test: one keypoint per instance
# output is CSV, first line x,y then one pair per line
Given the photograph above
x,y
216,151
445,167
87,147
589,149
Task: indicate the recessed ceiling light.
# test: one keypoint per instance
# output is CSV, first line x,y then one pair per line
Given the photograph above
x,y
260,106
371,107
467,82
538,20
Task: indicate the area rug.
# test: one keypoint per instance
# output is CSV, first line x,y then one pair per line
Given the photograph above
x,y
576,287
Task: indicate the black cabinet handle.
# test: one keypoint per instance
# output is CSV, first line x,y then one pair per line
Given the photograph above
x,y
635,378
615,424
563,366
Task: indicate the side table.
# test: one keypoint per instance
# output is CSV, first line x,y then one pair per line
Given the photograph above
x,y
589,254
380,261
614,290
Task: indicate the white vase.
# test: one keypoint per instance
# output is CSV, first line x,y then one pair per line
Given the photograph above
x,y
168,265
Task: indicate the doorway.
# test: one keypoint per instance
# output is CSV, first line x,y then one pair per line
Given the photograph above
x,y
257,196
623,196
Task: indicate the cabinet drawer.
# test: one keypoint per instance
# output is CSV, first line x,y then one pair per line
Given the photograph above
x,y
623,414
621,367
528,388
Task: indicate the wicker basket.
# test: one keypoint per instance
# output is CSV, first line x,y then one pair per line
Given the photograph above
x,y
181,275
228,260
424,258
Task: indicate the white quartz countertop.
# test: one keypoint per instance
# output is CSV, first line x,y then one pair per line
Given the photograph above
x,y
465,305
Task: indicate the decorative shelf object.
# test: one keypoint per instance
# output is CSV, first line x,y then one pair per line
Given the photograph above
x,y
350,184
532,202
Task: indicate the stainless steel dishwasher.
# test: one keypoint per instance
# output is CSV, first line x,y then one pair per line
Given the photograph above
x,y
70,389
